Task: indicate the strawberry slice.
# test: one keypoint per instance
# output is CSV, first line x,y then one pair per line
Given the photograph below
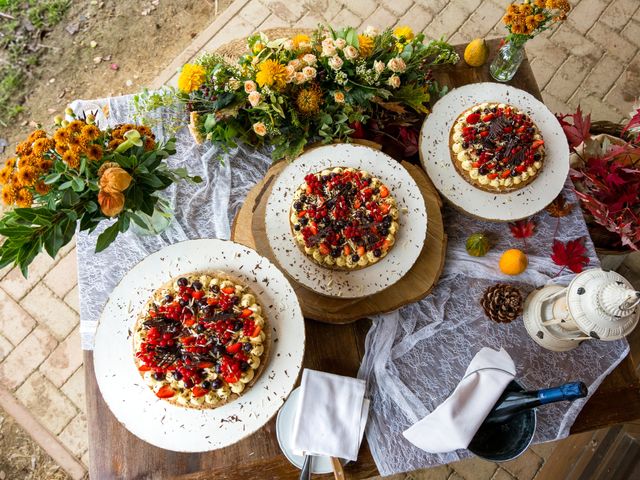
x,y
246,313
537,144
205,365
473,118
165,392
144,368
198,294
199,391
256,331
506,173
235,348
231,378
492,176
228,290
384,192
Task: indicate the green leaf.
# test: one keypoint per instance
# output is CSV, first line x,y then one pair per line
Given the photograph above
x,y
77,184
107,237
65,185
53,178
209,122
53,241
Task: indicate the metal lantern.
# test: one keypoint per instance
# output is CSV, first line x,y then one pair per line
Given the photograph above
x,y
595,305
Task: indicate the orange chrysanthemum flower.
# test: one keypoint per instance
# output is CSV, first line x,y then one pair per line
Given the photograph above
x,y
27,176
42,188
36,134
94,152
8,194
41,145
91,132
71,158
61,135
24,198
76,126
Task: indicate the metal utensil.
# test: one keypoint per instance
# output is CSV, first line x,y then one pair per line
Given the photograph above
x,y
305,473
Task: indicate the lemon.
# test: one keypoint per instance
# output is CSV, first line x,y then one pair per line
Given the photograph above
x,y
513,262
476,52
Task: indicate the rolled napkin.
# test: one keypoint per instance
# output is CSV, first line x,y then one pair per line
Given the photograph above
x,y
332,413
455,421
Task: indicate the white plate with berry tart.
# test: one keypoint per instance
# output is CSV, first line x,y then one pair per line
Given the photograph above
x,y
346,220
199,345
494,151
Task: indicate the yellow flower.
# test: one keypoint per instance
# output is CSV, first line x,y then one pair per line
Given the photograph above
x,y
111,203
24,198
8,194
115,143
36,134
71,158
27,176
10,162
191,77
149,144
41,145
61,148
61,136
300,38
94,152
23,148
5,174
271,72
403,33
366,45
309,100
76,126
91,132
260,129
257,47
42,188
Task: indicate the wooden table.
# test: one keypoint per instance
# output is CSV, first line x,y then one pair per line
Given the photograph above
x,y
116,453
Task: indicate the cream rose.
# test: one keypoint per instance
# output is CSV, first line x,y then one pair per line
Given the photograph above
x,y
260,129
328,48
340,43
254,98
394,81
291,72
249,86
338,97
371,31
309,72
397,65
299,78
234,84
288,44
378,66
309,59
295,63
336,62
350,52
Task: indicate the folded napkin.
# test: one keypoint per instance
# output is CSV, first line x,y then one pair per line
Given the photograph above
x,y
456,420
332,413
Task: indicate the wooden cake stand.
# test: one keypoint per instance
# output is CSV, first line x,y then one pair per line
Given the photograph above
x,y
249,229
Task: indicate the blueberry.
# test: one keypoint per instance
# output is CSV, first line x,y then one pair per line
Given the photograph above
x,y
303,198
244,366
355,258
514,173
206,384
236,300
188,383
465,144
383,231
182,282
377,252
219,350
297,206
297,227
304,221
247,347
217,383
177,375
215,288
197,285
237,326
158,376
182,302
494,109
218,368
168,298
335,253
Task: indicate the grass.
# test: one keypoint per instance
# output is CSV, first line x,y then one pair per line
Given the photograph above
x,y
19,50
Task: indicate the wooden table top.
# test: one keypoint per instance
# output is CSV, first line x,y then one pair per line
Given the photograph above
x,y
116,453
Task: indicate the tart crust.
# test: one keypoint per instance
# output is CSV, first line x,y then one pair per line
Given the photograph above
x,y
215,398
465,160
357,230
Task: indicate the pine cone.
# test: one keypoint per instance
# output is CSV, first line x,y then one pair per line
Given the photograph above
x,y
502,303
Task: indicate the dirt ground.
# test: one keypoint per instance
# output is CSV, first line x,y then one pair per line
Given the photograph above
x,y
134,40
21,458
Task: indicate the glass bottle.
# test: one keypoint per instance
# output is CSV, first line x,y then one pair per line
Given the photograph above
x,y
507,61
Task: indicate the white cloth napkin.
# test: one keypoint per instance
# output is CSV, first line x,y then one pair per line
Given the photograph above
x,y
332,413
455,421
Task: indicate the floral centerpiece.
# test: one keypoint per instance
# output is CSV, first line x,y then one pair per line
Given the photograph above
x,y
606,174
524,21
289,92
80,175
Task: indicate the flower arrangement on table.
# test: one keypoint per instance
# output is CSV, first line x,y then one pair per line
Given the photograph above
x,y
606,175
290,92
524,21
80,175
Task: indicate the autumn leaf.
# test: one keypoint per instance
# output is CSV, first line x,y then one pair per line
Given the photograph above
x,y
578,130
634,122
571,254
523,229
559,207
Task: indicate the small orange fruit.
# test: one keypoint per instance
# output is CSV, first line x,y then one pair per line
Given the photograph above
x,y
513,262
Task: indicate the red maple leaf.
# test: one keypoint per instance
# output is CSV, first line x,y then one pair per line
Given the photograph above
x,y
523,229
577,131
571,254
634,122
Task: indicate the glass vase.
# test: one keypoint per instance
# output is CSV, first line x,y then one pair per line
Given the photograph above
x,y
507,61
156,223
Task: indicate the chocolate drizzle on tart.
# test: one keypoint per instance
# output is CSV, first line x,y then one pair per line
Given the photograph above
x,y
344,218
201,340
496,147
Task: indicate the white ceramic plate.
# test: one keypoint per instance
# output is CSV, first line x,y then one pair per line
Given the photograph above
x,y
182,429
284,431
436,160
358,283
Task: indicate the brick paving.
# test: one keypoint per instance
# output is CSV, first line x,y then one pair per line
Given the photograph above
x,y
593,59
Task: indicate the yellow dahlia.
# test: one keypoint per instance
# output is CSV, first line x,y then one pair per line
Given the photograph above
x,y
309,100
403,33
8,194
271,73
24,198
366,45
298,39
191,77
94,152
27,176
91,132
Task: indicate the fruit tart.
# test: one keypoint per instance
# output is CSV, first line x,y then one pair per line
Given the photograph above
x,y
343,218
201,340
496,147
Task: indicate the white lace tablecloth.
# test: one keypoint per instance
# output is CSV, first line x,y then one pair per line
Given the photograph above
x,y
414,356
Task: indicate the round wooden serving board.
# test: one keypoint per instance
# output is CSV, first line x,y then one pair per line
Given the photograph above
x,y
249,229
